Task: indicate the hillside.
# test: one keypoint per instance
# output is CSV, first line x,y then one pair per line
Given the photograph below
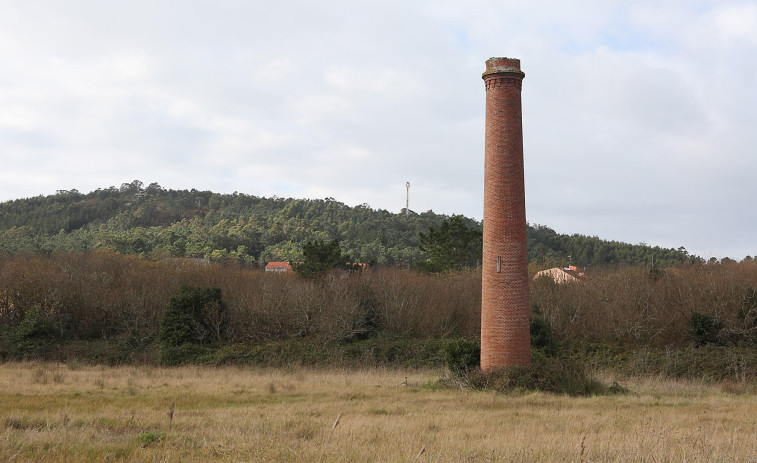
x,y
154,222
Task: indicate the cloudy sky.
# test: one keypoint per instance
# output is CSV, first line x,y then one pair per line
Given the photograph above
x,y
640,118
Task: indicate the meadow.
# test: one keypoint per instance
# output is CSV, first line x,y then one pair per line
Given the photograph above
x,y
70,412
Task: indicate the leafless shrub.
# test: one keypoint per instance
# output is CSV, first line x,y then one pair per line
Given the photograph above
x,y
629,305
101,294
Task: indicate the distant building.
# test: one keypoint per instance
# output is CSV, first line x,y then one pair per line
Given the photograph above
x,y
562,275
278,267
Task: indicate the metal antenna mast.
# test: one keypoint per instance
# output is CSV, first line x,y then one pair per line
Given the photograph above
x,y
407,202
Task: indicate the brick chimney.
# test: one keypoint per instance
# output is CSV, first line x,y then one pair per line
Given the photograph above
x,y
505,337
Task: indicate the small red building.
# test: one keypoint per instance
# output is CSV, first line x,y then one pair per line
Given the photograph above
x,y
278,267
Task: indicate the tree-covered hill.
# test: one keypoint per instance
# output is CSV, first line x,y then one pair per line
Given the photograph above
x,y
154,222
546,245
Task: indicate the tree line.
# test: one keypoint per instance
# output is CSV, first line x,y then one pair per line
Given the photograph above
x,y
155,222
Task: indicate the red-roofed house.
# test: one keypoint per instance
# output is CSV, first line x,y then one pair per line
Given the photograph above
x,y
278,267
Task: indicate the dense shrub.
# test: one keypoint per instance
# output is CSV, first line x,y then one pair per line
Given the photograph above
x,y
462,355
194,316
36,334
378,351
709,362
705,329
542,336
186,353
546,374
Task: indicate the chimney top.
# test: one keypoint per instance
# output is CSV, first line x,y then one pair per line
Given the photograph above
x,y
499,65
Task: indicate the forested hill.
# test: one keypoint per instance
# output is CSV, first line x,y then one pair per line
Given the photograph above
x,y
154,222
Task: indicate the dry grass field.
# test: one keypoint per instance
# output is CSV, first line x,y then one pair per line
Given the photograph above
x,y
75,413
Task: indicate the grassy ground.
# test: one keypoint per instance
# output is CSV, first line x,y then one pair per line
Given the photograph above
x,y
70,412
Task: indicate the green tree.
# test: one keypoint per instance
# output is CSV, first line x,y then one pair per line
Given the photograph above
x,y
452,246
320,256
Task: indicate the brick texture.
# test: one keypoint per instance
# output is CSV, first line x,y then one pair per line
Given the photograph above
x,y
505,337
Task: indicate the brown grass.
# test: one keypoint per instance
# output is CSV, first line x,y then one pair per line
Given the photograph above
x,y
231,414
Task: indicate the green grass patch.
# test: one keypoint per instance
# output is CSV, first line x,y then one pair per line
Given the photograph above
x,y
147,439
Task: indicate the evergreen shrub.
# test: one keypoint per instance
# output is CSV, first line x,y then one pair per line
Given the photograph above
x,y
542,335
37,332
705,329
545,374
194,315
462,355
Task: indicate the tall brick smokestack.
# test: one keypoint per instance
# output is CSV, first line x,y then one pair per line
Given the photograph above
x,y
505,337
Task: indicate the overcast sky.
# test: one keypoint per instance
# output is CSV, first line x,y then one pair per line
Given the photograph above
x,y
640,118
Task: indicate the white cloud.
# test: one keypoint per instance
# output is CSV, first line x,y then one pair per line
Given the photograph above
x,y
638,118
738,23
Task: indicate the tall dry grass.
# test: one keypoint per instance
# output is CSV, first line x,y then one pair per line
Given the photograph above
x,y
234,414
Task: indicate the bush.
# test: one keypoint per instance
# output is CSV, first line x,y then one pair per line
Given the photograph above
x,y
186,353
542,336
194,316
462,355
546,374
36,334
705,329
